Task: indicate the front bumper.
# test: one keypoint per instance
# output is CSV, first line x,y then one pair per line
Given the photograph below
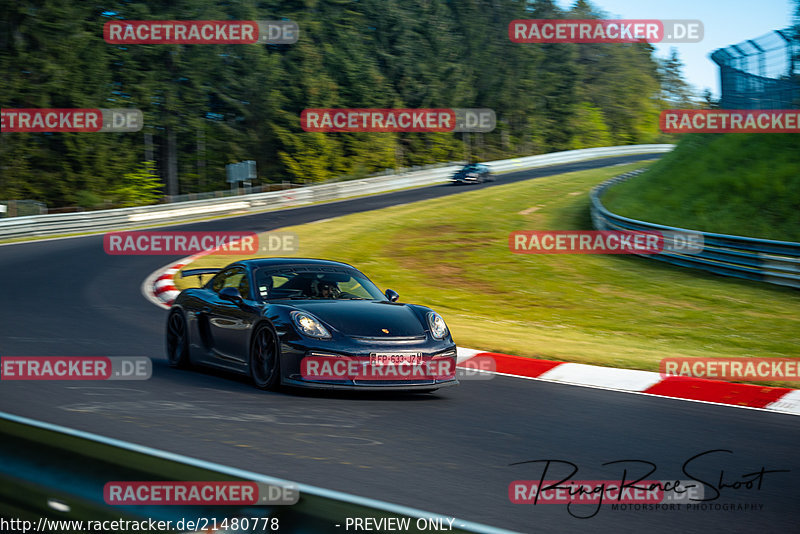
x,y
342,386
435,352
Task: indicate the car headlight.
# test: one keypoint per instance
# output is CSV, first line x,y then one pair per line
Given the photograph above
x,y
309,325
438,327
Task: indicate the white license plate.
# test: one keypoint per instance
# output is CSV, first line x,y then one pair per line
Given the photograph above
x,y
395,358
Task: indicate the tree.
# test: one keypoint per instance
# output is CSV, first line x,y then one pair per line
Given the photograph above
x,y
589,127
138,188
209,105
676,93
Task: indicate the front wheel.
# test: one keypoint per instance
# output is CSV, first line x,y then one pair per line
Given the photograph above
x,y
177,340
264,358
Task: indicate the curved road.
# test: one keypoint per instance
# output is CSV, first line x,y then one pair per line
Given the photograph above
x,y
449,452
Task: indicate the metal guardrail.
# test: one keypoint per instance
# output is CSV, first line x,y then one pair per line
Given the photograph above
x,y
58,473
106,220
21,208
275,186
775,262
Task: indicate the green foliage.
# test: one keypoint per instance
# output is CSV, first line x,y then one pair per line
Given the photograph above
x,y
88,200
720,183
138,188
675,92
591,130
228,103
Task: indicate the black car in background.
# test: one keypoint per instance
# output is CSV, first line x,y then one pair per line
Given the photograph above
x,y
308,323
473,173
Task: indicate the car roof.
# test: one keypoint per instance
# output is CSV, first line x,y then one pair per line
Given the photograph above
x,y
287,262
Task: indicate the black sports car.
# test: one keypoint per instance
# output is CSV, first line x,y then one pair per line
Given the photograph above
x,y
309,323
472,174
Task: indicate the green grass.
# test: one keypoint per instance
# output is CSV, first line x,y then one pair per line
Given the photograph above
x,y
740,184
452,254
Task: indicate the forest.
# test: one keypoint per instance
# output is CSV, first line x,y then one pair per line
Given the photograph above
x,y
207,105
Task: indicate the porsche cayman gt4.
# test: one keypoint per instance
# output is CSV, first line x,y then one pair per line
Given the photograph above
x,y
308,323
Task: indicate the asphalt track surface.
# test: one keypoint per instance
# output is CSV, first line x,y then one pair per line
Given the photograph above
x,y
448,452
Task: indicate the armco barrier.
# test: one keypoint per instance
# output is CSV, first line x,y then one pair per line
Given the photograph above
x,y
58,473
106,220
775,262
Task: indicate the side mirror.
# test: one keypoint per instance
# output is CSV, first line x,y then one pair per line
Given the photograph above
x,y
392,295
231,294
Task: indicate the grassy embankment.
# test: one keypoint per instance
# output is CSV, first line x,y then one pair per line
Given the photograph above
x,y
740,184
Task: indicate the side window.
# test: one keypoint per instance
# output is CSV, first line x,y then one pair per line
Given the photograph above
x,y
233,277
218,280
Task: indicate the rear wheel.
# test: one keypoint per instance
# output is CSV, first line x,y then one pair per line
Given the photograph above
x,y
177,340
264,358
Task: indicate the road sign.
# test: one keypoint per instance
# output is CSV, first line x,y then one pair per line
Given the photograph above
x,y
244,171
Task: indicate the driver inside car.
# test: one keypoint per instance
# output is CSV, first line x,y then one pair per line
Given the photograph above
x,y
328,290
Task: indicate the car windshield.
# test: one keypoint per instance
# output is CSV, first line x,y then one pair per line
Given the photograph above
x,y
327,284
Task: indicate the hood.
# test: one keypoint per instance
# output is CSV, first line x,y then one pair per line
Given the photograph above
x,y
366,318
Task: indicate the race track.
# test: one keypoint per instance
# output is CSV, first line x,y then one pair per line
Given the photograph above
x,y
448,452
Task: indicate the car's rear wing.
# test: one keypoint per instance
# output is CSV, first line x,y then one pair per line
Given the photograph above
x,y
199,273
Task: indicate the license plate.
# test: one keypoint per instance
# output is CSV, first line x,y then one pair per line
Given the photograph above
x,y
395,358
